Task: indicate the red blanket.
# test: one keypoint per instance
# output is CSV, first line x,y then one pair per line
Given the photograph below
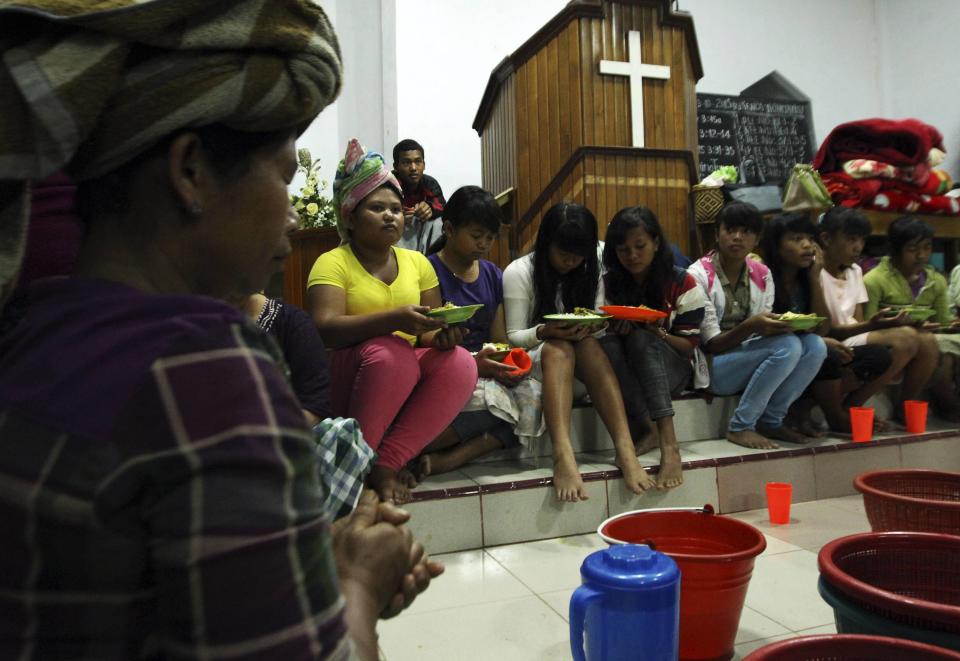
x,y
886,195
899,142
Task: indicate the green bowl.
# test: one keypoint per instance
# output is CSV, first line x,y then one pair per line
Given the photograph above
x,y
804,324
920,314
456,315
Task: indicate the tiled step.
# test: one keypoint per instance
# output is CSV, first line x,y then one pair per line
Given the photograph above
x,y
504,502
695,419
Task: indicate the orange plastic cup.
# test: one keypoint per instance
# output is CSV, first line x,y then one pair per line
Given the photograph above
x,y
779,495
915,413
861,423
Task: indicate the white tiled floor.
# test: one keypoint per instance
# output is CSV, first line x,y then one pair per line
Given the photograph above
x,y
509,603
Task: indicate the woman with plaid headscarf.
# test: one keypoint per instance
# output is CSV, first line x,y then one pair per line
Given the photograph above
x,y
400,373
160,496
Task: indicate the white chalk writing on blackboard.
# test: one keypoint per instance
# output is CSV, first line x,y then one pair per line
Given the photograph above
x,y
763,138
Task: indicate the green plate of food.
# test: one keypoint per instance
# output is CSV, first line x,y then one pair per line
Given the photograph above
x,y
801,321
453,314
579,316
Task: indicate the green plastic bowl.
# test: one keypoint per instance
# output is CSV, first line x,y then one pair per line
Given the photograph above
x,y
804,324
456,315
920,314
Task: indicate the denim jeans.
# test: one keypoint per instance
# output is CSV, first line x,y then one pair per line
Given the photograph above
x,y
649,372
771,371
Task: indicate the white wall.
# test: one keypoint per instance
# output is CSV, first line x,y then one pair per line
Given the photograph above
x,y
919,78
821,46
367,106
446,50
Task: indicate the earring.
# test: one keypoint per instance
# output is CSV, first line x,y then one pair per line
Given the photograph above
x,y
196,208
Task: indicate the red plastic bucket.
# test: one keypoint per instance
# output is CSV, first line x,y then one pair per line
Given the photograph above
x,y
715,555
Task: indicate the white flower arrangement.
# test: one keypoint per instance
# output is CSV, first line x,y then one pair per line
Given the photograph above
x,y
314,208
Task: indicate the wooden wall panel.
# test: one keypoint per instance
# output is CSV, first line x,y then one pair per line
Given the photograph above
x,y
666,104
556,101
661,184
498,145
607,183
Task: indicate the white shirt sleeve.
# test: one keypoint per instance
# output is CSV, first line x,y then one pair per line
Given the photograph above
x,y
769,294
710,326
518,297
953,291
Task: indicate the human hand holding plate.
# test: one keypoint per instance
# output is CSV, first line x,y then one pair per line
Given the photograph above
x,y
413,320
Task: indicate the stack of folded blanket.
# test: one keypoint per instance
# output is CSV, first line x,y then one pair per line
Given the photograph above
x,y
887,165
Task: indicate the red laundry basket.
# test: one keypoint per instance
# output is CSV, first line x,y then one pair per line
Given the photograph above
x,y
909,577
909,499
840,647
715,555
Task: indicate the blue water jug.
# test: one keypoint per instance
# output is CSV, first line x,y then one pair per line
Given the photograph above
x,y
628,606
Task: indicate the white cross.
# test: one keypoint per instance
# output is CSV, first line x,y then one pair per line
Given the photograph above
x,y
637,71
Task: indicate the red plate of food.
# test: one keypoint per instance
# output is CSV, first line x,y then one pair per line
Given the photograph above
x,y
633,313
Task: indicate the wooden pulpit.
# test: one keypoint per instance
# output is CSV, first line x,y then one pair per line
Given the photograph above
x,y
598,107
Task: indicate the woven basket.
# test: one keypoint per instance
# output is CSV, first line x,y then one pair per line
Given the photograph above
x,y
707,202
911,499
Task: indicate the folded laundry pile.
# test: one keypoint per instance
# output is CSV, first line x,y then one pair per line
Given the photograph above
x,y
887,165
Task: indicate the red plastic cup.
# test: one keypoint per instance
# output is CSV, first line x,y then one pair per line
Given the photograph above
x,y
779,495
915,413
861,423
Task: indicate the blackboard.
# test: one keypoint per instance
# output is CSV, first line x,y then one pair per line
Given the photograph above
x,y
763,138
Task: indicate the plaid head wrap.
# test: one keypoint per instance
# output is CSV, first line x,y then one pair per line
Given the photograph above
x,y
87,86
359,174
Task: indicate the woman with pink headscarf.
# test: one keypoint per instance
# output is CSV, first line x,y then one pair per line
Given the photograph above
x,y
400,373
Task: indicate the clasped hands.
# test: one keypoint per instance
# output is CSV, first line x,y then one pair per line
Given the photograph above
x,y
376,553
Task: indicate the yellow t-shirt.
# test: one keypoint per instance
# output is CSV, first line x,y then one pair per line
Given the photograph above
x,y
366,294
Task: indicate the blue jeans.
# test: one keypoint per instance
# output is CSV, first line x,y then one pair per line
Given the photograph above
x,y
771,371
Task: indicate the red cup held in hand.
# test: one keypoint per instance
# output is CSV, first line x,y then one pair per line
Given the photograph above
x,y
915,415
861,423
779,495
519,359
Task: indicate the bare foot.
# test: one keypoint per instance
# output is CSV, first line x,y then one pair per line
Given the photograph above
x,y
671,472
751,439
408,478
567,481
425,465
841,427
782,433
809,428
634,475
647,442
435,463
388,485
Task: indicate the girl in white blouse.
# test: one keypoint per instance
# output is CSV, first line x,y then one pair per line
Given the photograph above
x,y
563,273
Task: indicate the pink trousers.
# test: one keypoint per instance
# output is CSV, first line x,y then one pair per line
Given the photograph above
x,y
403,397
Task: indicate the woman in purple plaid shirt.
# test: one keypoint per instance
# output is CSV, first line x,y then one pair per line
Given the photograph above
x,y
159,493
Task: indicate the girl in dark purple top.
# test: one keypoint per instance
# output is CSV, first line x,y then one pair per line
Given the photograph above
x,y
471,222
486,289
